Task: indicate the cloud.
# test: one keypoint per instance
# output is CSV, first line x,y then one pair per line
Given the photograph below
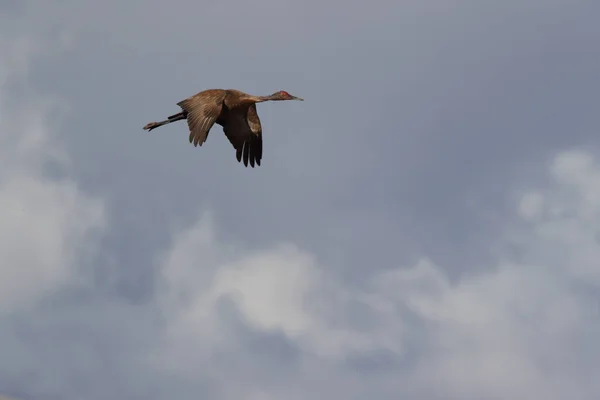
x,y
360,262
515,330
46,221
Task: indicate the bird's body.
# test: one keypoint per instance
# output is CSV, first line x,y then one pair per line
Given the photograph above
x,y
234,110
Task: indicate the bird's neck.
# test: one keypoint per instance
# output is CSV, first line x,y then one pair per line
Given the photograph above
x,y
254,99
260,99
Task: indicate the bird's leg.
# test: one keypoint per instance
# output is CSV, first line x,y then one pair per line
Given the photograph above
x,y
172,118
178,116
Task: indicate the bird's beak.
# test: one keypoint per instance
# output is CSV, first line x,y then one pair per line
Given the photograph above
x,y
297,98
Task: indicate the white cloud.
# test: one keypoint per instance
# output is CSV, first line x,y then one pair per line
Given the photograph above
x,y
516,330
531,205
522,328
46,222
270,287
278,289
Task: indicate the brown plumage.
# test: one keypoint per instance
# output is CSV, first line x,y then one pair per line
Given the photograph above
x,y
235,111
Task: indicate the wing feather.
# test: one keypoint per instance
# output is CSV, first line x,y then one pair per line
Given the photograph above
x,y
244,131
246,151
203,110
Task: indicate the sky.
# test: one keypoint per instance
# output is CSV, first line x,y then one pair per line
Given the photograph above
x,y
425,225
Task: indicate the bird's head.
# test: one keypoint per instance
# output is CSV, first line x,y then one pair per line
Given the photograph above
x,y
283,95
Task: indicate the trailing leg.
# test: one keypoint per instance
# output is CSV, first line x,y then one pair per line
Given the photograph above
x,y
172,118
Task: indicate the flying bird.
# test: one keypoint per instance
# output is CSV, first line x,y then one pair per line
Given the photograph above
x,y
234,110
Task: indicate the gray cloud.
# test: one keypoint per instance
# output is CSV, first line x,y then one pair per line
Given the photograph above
x,y
409,233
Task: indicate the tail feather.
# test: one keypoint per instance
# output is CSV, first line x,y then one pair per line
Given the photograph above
x,y
176,117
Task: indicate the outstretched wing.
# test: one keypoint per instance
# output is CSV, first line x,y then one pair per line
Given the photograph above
x,y
244,131
202,112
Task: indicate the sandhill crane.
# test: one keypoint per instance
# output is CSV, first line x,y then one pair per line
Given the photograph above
x,y
235,111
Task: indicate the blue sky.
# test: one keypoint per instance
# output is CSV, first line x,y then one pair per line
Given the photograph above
x,y
424,225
